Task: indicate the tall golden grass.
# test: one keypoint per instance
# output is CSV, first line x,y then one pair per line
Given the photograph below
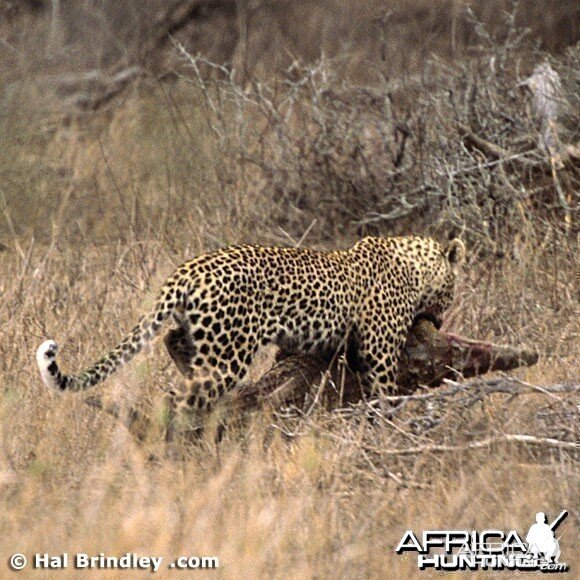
x,y
96,210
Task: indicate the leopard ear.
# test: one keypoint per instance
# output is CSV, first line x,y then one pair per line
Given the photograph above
x,y
456,252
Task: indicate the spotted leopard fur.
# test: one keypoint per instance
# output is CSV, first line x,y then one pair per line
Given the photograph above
x,y
228,303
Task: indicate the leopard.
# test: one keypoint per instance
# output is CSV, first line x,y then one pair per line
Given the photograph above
x,y
228,303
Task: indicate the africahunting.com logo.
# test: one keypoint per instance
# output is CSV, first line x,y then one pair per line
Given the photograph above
x,y
488,549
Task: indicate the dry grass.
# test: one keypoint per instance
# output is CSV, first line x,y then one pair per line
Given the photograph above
x,y
97,210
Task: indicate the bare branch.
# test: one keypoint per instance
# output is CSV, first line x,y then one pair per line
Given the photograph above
x,y
500,439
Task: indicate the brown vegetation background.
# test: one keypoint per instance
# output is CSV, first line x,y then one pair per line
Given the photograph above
x,y
134,135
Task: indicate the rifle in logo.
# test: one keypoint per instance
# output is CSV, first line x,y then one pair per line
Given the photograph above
x,y
559,520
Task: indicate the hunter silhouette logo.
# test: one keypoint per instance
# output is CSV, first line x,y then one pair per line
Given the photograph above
x,y
541,538
488,549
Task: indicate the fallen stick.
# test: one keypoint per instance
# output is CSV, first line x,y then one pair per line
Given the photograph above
x,y
505,438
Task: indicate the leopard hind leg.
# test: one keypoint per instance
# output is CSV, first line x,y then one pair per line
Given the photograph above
x,y
179,344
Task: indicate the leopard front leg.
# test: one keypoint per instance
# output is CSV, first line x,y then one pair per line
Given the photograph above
x,y
380,336
378,364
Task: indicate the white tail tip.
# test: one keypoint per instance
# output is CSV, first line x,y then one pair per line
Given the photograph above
x,y
45,357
